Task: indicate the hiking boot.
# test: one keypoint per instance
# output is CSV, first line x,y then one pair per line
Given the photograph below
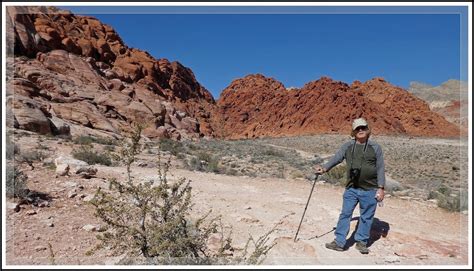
x,y
334,246
362,248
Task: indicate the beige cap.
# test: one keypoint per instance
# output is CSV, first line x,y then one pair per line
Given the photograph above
x,y
359,122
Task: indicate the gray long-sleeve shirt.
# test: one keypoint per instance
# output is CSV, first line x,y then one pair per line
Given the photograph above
x,y
368,159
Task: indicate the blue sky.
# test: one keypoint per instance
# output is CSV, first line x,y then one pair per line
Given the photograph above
x,y
296,45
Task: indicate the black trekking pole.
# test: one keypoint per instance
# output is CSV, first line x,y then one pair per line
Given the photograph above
x,y
316,177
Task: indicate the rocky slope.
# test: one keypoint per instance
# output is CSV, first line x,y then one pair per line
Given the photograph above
x,y
73,72
450,100
256,106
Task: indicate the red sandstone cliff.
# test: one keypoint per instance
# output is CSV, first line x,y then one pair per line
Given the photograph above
x,y
256,106
78,70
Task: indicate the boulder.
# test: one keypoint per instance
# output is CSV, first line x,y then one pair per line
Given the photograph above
x,y
73,164
28,115
62,169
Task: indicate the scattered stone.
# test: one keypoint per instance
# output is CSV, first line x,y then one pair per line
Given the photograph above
x,y
142,164
90,227
70,184
247,219
392,259
73,164
88,198
72,194
422,257
248,207
62,170
50,224
43,203
31,212
13,206
40,248
86,172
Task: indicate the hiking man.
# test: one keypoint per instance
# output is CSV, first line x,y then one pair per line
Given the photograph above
x,y
365,185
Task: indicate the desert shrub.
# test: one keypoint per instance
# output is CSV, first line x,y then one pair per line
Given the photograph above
x,y
454,202
16,182
204,161
109,148
152,219
337,174
449,203
213,166
11,148
32,156
297,174
463,200
273,152
231,171
171,146
88,140
86,154
49,165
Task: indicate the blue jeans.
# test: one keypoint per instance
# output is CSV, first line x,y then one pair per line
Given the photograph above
x,y
367,204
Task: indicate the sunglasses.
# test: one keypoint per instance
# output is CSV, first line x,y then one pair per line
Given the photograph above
x,y
362,128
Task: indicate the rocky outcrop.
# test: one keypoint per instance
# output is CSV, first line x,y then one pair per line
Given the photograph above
x,y
78,70
413,113
256,106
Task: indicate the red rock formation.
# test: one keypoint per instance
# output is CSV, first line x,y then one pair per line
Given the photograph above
x,y
73,70
413,113
256,106
81,70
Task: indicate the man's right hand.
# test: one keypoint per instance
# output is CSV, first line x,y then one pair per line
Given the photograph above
x,y
319,169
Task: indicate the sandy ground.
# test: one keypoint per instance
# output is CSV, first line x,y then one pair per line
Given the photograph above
x,y
405,232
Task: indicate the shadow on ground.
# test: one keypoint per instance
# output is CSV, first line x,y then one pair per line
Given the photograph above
x,y
379,229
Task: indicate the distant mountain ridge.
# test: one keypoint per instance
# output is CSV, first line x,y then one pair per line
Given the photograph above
x,y
450,99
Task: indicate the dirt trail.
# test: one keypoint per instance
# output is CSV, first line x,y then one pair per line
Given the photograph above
x,y
404,232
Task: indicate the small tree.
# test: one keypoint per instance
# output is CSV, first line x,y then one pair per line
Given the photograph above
x,y
151,219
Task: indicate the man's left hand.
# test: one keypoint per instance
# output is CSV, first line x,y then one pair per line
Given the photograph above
x,y
380,194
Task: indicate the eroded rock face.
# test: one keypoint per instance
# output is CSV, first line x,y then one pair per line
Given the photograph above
x,y
79,70
257,106
413,113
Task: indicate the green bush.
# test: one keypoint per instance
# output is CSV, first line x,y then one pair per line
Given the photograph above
x,y
16,182
152,219
91,157
32,156
273,152
454,202
204,161
171,146
88,140
337,175
11,148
